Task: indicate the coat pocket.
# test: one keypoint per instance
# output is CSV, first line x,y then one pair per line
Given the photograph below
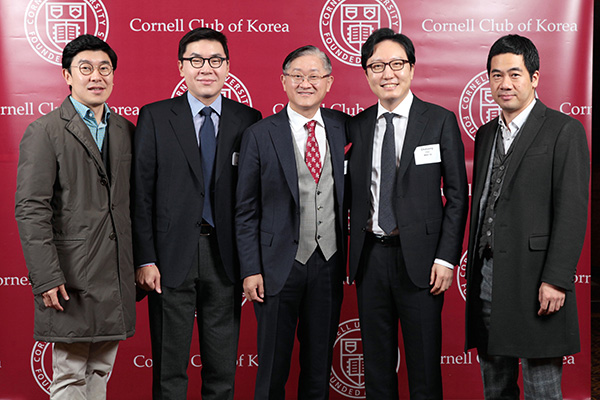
x,y
72,258
266,238
539,242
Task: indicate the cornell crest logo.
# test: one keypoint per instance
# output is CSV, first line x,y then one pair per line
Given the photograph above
x,y
346,24
50,25
461,276
477,106
348,370
233,89
41,365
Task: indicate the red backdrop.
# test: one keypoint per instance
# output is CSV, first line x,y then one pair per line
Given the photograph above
x,y
451,39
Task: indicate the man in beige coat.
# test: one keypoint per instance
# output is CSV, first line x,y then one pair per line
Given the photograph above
x,y
72,209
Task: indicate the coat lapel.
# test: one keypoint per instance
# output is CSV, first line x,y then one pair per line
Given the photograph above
x,y
281,136
528,133
484,145
182,122
79,129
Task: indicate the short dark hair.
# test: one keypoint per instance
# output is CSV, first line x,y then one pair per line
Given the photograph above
x,y
379,36
518,45
202,34
307,51
83,43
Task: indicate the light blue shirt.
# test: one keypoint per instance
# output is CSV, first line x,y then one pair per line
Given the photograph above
x,y
196,105
98,131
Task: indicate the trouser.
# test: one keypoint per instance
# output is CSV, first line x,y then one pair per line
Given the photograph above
x,y
207,292
310,301
81,370
386,295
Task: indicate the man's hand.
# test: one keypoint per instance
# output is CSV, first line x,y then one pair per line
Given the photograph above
x,y
148,278
254,288
51,297
551,298
441,279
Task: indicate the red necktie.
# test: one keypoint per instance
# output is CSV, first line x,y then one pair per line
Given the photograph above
x,y
312,157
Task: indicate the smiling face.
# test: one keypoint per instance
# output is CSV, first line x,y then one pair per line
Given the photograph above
x,y
305,98
390,87
90,90
204,83
512,86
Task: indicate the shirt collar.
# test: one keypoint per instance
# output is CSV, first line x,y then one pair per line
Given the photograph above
x,y
297,121
517,123
196,105
86,113
403,109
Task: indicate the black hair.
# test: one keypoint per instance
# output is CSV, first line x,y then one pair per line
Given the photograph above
x,y
518,45
84,43
202,34
379,36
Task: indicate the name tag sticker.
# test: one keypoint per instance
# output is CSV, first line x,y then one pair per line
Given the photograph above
x,y
428,154
235,158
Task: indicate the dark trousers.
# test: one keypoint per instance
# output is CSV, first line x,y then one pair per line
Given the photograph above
x,y
385,295
208,292
310,301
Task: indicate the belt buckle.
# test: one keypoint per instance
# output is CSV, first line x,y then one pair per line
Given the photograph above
x,y
206,230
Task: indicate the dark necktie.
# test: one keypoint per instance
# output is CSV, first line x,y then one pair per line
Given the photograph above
x,y
312,157
387,219
208,146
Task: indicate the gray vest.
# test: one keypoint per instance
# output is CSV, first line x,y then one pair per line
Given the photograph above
x,y
317,209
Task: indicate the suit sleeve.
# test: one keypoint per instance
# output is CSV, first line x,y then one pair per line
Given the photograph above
x,y
248,203
36,175
456,192
570,192
143,189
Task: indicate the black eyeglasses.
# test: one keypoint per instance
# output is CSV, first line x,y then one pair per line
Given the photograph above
x,y
88,69
395,65
198,62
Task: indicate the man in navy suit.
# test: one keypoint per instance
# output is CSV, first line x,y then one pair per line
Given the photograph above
x,y
404,240
185,173
290,228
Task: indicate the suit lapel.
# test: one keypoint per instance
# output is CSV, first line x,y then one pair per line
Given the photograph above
x,y
335,138
526,137
414,131
281,136
182,122
228,127
363,148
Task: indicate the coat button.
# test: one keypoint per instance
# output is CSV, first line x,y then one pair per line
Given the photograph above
x,y
112,236
103,182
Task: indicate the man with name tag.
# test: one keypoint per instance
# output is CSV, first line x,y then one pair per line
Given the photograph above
x,y
290,224
405,239
185,173
528,220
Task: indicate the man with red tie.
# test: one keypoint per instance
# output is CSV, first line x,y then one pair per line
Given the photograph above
x,y
289,228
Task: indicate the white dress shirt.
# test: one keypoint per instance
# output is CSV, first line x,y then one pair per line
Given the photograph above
x,y
300,132
509,133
